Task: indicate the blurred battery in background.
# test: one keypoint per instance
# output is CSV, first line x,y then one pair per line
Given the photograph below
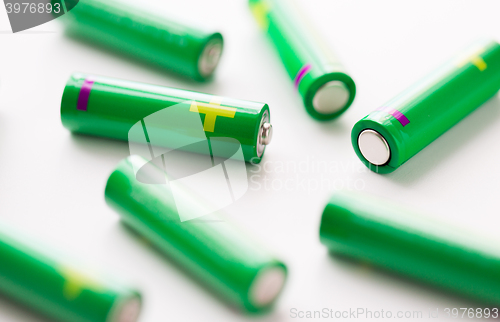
x,y
318,75
215,253
405,242
158,40
61,290
175,118
392,134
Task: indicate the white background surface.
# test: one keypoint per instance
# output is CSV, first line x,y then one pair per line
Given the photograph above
x,y
52,182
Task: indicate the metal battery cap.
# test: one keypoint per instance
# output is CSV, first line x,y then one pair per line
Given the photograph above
x,y
267,285
374,147
126,310
210,57
265,134
331,97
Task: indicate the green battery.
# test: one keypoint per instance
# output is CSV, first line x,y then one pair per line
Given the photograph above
x,y
62,291
160,41
392,134
175,118
407,243
216,253
326,89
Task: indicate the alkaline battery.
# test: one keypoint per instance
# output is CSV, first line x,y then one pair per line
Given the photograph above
x,y
160,41
174,118
318,75
215,252
407,243
392,134
62,291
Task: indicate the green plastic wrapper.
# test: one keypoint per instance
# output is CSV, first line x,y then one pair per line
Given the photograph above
x,y
172,118
216,253
326,89
410,244
392,134
160,41
60,290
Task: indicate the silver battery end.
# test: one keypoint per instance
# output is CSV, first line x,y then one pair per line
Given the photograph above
x,y
210,57
267,285
374,147
265,134
331,97
128,311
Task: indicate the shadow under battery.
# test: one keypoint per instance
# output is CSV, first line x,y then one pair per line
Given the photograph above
x,y
443,148
204,287
351,264
180,80
191,159
337,126
21,312
100,146
178,163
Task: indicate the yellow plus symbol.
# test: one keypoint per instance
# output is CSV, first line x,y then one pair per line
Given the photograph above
x,y
260,10
475,59
211,111
75,283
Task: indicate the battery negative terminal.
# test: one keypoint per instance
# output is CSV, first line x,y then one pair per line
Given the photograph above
x,y
374,147
265,134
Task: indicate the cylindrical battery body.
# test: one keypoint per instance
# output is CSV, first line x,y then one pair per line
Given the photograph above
x,y
61,291
216,253
109,108
326,89
407,243
389,136
189,51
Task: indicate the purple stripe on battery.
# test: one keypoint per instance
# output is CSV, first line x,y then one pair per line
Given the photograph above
x,y
302,72
399,116
83,98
